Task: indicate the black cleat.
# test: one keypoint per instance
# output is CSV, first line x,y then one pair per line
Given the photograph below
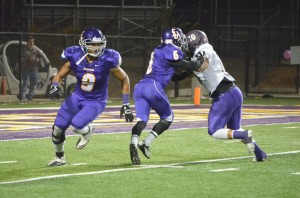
x,y
134,156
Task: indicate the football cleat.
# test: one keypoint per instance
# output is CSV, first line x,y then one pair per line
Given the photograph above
x,y
145,149
57,161
134,156
260,155
84,139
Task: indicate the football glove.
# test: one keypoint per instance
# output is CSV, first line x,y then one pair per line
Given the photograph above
x,y
187,56
200,57
126,111
54,91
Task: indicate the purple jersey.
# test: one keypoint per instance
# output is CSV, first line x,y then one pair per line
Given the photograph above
x,y
89,98
159,68
149,92
92,78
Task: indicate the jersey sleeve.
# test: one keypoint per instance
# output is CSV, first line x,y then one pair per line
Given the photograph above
x,y
114,58
67,54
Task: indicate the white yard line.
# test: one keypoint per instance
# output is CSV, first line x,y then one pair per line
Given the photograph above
x,y
224,170
7,162
141,167
78,164
296,173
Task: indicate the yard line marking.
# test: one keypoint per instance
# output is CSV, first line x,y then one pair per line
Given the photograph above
x,y
141,168
284,153
296,173
79,174
161,166
78,164
7,162
225,169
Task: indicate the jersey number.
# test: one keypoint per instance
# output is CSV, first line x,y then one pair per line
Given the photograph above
x,y
149,69
88,82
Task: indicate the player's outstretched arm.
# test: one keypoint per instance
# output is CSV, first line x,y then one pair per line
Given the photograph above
x,y
182,75
65,69
120,74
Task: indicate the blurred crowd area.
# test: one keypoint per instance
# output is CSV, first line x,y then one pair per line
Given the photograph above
x,y
249,36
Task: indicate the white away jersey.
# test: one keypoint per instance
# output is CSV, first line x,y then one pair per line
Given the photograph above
x,y
215,72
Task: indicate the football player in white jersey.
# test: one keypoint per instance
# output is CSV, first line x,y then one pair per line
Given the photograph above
x,y
227,98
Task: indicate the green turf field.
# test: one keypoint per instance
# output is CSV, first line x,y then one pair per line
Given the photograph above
x,y
184,163
248,100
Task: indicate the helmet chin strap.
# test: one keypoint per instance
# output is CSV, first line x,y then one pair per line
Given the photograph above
x,y
79,61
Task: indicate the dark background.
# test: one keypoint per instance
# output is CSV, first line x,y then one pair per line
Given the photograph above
x,y
249,35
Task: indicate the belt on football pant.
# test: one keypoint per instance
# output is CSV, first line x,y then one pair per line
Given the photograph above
x,y
222,88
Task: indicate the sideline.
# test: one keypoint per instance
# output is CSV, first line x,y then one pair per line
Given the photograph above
x,y
141,168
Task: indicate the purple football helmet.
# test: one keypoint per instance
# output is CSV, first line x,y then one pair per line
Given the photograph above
x,y
196,38
93,42
174,36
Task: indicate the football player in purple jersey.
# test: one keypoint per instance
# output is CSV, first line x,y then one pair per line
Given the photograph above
x,y
149,92
227,98
91,63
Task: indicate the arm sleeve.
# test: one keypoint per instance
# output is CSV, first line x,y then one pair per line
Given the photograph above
x,y
181,76
190,65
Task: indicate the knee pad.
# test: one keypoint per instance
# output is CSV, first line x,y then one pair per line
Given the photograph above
x,y
161,126
58,135
138,128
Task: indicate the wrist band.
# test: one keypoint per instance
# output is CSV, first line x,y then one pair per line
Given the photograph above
x,y
125,98
55,83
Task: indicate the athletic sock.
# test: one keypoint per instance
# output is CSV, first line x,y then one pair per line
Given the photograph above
x,y
134,139
59,147
149,139
239,135
82,131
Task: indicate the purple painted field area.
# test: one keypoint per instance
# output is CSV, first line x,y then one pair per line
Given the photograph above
x,y
37,123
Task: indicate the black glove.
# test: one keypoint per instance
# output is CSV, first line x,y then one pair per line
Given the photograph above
x,y
200,57
125,110
54,91
187,56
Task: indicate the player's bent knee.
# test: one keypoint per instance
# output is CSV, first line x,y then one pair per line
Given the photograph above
x,y
161,126
138,128
58,135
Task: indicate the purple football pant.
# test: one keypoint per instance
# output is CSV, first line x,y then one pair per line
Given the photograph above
x,y
150,94
78,112
226,110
